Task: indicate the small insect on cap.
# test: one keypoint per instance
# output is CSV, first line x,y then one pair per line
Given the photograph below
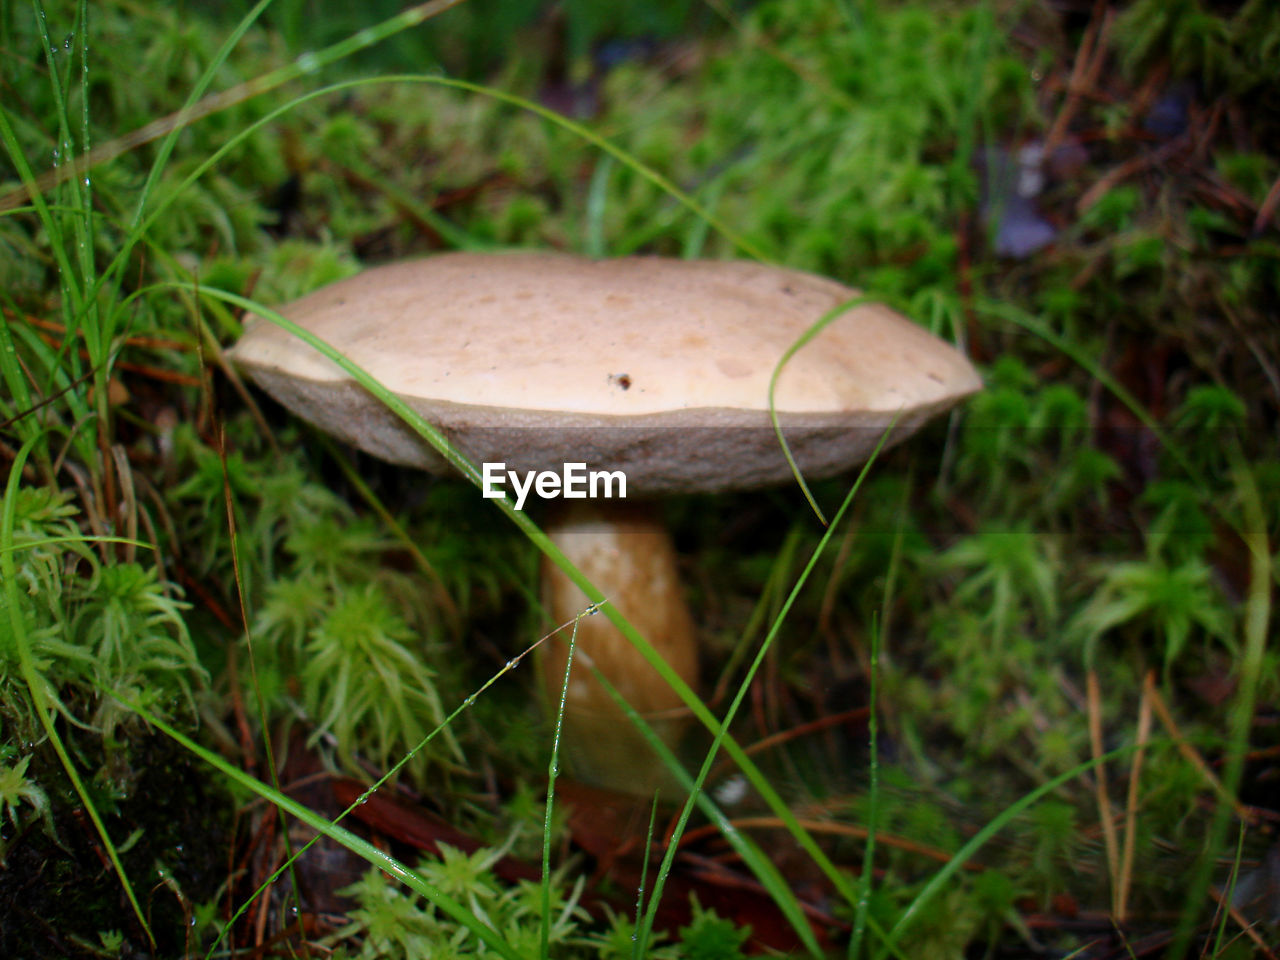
x,y
656,367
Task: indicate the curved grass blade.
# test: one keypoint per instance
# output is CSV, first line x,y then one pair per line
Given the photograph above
x,y
1026,321
814,329
87,538
943,877
165,150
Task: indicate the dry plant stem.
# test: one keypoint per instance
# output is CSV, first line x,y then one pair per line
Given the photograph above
x,y
1193,757
128,504
831,828
1124,171
1100,786
1084,73
1131,803
822,725
237,384
1268,208
1157,79
1249,929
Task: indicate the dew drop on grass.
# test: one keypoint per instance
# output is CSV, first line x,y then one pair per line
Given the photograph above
x,y
308,63
511,664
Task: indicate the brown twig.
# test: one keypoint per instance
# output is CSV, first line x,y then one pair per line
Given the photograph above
x,y
1268,208
834,829
1100,787
1193,757
1124,171
1131,802
1249,929
1084,73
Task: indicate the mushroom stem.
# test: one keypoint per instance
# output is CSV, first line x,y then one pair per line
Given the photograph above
x,y
624,550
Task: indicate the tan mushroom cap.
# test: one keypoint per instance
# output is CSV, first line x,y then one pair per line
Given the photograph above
x,y
656,367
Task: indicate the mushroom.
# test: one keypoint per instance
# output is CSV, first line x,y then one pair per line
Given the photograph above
x,y
658,370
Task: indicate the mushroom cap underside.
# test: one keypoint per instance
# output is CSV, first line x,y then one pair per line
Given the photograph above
x,y
659,368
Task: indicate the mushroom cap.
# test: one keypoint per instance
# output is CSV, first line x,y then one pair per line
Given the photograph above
x,y
659,368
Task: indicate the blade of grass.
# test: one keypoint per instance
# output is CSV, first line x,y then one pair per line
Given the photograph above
x,y
19,392
83,316
73,296
423,213
860,915
165,150
553,768
43,211
946,875
1228,909
696,238
768,599
441,593
593,243
1020,318
879,631
816,328
644,874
